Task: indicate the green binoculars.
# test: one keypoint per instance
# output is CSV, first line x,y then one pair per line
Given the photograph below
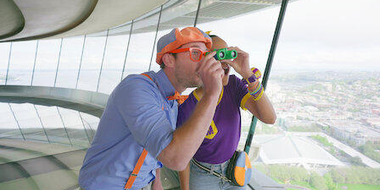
x,y
224,54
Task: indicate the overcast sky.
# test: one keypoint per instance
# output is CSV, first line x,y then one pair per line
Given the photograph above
x,y
316,35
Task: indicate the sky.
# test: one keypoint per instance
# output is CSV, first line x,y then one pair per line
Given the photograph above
x,y
316,35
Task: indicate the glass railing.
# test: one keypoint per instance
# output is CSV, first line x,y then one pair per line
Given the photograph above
x,y
50,124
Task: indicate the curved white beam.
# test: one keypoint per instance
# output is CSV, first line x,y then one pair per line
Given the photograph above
x,y
111,13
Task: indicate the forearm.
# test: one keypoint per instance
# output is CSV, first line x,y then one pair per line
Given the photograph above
x,y
191,134
184,178
157,182
188,137
262,109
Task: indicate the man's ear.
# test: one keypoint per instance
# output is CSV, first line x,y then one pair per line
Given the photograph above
x,y
168,60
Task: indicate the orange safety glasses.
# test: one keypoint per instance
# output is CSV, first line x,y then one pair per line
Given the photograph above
x,y
196,54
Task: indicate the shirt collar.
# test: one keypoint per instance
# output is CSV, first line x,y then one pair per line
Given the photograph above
x,y
164,85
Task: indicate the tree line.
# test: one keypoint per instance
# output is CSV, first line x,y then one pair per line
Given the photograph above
x,y
329,181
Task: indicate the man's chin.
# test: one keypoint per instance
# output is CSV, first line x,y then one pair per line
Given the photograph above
x,y
194,84
199,84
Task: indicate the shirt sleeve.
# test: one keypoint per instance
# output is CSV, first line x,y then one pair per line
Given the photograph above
x,y
185,110
241,90
180,117
140,104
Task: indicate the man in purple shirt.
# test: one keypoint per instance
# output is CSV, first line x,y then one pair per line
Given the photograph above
x,y
223,135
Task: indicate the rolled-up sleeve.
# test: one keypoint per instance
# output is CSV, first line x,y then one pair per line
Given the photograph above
x,y
139,102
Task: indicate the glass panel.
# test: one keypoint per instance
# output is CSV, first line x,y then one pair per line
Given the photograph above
x,y
47,124
331,71
140,49
180,15
155,66
171,18
139,53
91,124
8,124
53,124
254,38
21,63
124,30
46,64
75,128
29,122
70,59
92,59
4,55
113,62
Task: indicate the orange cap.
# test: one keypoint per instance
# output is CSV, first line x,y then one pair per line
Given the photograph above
x,y
177,38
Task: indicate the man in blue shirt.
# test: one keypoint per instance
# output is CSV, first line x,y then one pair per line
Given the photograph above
x,y
139,115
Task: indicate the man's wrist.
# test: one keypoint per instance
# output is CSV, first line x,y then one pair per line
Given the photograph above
x,y
210,97
247,74
253,84
254,76
251,79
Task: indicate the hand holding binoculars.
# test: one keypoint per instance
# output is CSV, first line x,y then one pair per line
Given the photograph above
x,y
224,54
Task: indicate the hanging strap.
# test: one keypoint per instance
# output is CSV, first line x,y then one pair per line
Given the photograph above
x,y
217,174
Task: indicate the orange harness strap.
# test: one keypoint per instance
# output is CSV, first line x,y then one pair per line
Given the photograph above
x,y
147,76
139,163
136,170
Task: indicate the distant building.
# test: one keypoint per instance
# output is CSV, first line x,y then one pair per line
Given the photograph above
x,y
328,86
294,151
297,123
374,122
354,131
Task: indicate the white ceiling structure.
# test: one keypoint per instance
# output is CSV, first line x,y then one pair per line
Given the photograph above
x,y
22,20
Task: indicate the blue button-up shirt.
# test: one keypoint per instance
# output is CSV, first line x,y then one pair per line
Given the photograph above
x,y
137,115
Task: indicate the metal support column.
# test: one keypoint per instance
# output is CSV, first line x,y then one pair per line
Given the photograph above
x,y
197,14
80,62
89,125
59,60
35,62
268,67
101,66
155,38
84,127
9,62
18,124
43,127
126,51
64,126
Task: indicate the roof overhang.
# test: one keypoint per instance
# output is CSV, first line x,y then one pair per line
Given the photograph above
x,y
22,20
